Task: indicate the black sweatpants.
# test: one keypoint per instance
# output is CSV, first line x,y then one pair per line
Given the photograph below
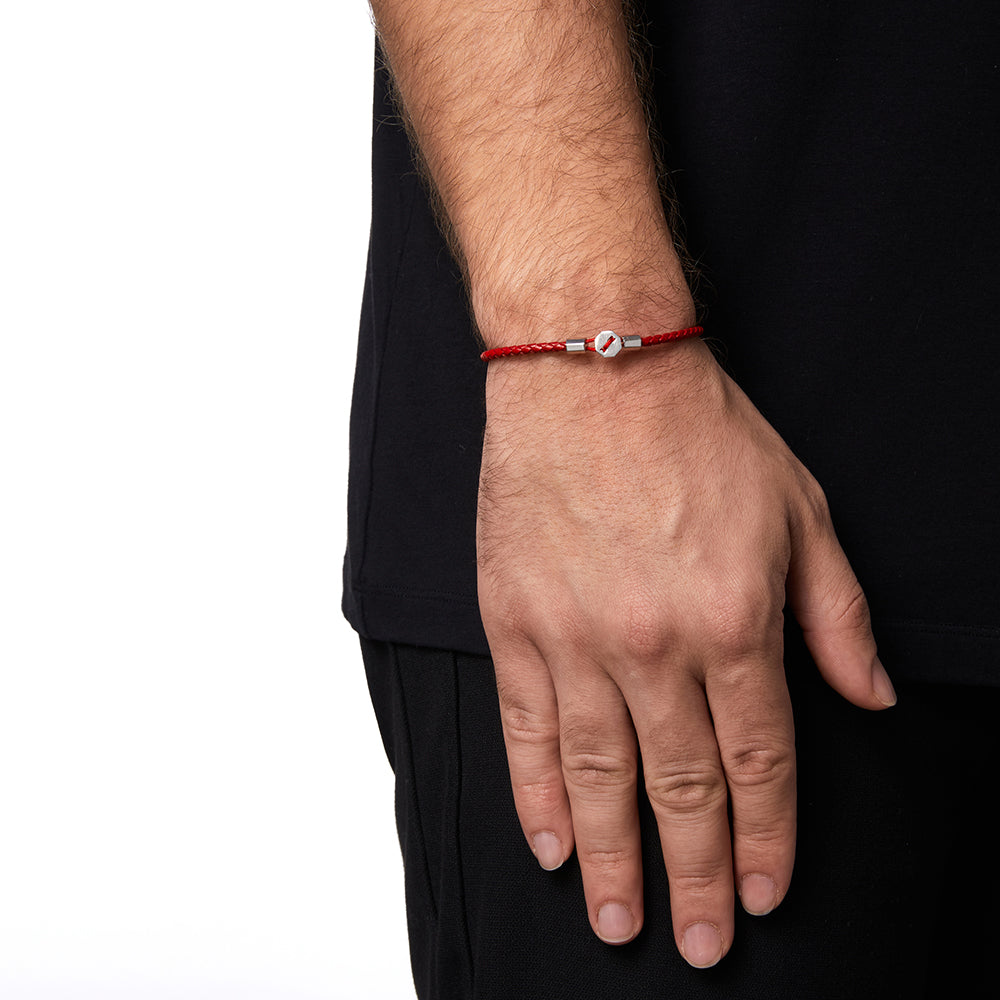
x,y
893,893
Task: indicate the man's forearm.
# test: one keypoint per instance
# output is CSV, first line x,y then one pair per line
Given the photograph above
x,y
529,119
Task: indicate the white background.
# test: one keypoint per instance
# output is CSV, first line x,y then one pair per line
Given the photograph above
x,y
194,801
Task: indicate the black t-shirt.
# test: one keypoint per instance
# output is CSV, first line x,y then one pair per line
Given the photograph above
x,y
836,168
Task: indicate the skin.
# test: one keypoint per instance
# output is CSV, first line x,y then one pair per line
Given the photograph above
x,y
641,526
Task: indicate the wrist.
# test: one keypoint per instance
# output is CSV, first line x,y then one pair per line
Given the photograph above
x,y
631,305
579,388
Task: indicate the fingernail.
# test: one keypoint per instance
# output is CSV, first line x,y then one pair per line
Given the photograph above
x,y
615,923
548,849
758,893
702,945
881,684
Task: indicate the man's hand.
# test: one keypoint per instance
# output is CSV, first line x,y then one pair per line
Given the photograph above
x,y
638,523
638,517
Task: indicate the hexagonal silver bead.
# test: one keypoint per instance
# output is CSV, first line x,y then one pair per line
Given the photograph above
x,y
607,343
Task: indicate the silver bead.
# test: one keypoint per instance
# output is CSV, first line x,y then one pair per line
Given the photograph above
x,y
632,340
576,345
607,343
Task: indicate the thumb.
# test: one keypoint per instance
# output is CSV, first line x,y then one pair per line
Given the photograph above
x,y
831,609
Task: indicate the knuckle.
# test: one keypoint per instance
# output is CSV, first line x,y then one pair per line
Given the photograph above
x,y
544,796
591,758
816,507
644,634
742,638
606,862
591,768
758,764
694,790
506,610
635,627
524,726
744,621
774,840
705,881
853,616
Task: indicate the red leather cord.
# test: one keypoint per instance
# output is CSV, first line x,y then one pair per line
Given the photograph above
x,y
560,345
506,352
662,338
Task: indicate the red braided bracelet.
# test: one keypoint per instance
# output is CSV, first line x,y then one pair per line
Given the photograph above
x,y
607,344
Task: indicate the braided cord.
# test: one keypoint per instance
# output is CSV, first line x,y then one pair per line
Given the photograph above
x,y
506,352
560,345
663,338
